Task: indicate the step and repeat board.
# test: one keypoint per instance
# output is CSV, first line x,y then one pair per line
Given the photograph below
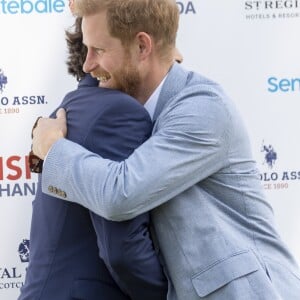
x,y
251,48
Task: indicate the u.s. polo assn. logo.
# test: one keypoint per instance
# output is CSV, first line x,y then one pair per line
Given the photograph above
x,y
276,177
10,104
3,81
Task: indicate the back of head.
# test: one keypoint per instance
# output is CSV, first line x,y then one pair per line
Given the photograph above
x,y
158,18
77,51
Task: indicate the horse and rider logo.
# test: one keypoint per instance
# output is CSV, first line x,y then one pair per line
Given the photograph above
x,y
23,250
270,155
3,81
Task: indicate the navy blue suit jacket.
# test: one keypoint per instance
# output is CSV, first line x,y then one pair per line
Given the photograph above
x,y
65,261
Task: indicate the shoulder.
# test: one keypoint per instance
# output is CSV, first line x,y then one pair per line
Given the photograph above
x,y
199,102
199,106
119,102
115,107
102,98
186,90
181,82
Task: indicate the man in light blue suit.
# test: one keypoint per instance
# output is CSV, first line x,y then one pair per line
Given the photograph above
x,y
213,226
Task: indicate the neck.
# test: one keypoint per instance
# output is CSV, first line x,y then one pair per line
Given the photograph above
x,y
150,81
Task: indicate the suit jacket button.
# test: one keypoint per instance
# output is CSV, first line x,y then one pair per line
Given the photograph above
x,y
61,193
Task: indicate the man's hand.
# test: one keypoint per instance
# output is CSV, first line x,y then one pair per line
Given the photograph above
x,y
47,132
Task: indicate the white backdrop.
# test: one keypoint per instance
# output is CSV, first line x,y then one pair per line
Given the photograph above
x,y
251,47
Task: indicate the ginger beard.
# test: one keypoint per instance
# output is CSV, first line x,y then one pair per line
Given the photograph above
x,y
126,79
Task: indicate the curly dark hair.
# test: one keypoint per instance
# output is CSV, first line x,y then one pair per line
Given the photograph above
x,y
77,50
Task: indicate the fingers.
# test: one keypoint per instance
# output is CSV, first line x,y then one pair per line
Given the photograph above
x,y
61,114
47,131
34,126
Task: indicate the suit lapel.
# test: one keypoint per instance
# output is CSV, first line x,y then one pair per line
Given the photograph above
x,y
175,82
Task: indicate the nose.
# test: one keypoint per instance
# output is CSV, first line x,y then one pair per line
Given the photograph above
x,y
90,63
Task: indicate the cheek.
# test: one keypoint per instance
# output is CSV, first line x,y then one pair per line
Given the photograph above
x,y
113,65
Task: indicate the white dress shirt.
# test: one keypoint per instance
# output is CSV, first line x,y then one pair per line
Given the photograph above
x,y
151,103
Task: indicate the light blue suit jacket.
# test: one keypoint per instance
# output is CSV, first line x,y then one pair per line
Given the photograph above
x,y
211,220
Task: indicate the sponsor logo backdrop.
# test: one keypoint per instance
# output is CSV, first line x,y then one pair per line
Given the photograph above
x,y
250,47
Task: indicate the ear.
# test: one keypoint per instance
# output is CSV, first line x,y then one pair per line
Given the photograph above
x,y
144,44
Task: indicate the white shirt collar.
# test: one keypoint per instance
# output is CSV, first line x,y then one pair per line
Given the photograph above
x,y
151,103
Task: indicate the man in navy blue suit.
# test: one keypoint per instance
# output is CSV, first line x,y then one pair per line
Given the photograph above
x,y
75,254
